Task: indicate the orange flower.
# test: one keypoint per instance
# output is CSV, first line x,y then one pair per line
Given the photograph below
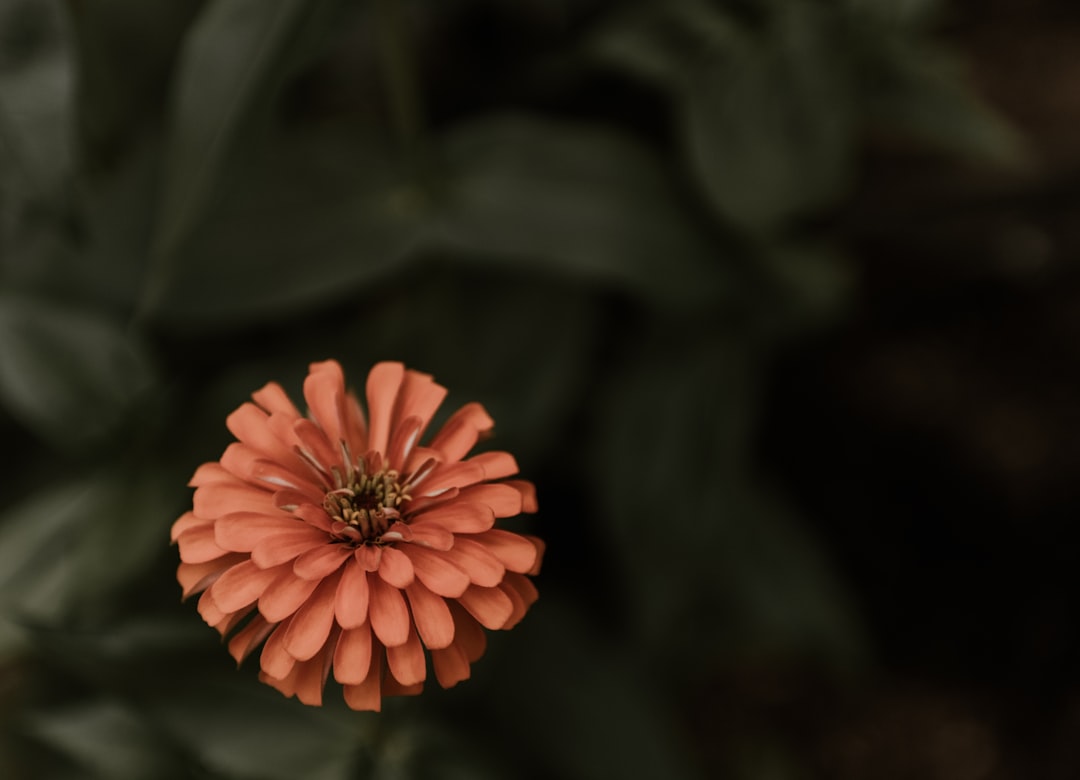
x,y
345,544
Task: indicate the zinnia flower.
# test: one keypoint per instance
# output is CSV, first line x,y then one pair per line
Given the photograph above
x,y
346,545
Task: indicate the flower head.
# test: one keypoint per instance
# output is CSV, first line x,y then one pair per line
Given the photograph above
x,y
340,543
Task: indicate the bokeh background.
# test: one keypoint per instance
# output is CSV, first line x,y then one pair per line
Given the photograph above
x,y
777,301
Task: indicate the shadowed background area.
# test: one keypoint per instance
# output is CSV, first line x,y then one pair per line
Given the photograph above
x,y
774,300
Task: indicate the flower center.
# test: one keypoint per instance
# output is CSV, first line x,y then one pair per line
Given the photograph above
x,y
368,506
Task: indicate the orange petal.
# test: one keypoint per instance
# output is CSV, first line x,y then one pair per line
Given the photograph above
x,y
482,567
392,687
490,606
222,498
419,396
461,432
209,610
355,425
396,568
247,464
430,535
305,681
459,517
287,545
467,633
284,595
402,442
519,605
436,572
406,661
310,626
351,600
388,613
314,444
275,660
243,584
197,545
540,546
273,399
431,615
248,638
526,595
496,465
251,425
209,473
321,561
514,551
194,577
186,521
501,498
324,391
369,557
451,665
352,658
242,531
450,475
528,494
383,383
368,694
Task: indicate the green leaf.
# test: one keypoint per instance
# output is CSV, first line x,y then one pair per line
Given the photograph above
x,y
106,739
578,705
718,546
305,220
67,374
234,58
576,201
915,89
770,122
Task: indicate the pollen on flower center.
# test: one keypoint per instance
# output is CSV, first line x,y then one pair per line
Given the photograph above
x,y
367,507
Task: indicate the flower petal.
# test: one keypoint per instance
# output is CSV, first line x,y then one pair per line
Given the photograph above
x,y
528,494
209,473
451,665
514,551
284,595
396,568
314,444
351,600
490,606
521,592
251,425
243,584
287,545
501,498
467,633
248,464
419,396
383,383
461,432
197,545
194,577
273,399
406,661
450,475
275,661
352,658
431,615
242,531
459,517
324,391
186,521
387,611
436,572
321,561
248,638
368,694
403,441
222,498
474,559
430,535
310,627
496,465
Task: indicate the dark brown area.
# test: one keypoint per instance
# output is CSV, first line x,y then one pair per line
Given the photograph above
x,y
934,439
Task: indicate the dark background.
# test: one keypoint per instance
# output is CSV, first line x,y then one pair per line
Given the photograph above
x,y
775,301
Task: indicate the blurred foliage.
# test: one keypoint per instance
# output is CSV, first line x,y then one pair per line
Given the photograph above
x,y
599,218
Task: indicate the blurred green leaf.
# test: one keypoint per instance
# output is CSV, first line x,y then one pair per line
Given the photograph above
x,y
578,201
107,740
252,731
235,56
581,707
304,220
770,122
65,551
916,89
709,561
68,374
